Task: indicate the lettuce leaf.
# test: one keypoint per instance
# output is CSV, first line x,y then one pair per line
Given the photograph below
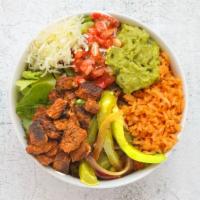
x,y
26,123
23,84
28,78
86,24
36,95
30,75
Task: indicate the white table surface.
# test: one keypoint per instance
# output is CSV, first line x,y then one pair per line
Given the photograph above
x,y
178,22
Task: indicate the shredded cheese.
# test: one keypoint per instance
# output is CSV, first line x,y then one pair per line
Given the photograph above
x,y
52,49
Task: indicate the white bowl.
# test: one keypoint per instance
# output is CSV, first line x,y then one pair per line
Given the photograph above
x,y
67,178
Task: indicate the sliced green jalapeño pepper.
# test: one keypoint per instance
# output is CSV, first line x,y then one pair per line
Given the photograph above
x,y
106,104
103,161
104,139
92,131
87,174
113,157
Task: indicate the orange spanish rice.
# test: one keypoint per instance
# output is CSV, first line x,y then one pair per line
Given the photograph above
x,y
153,115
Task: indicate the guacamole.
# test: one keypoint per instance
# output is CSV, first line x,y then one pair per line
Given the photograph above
x,y
136,63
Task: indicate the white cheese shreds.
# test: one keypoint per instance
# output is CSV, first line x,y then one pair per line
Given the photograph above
x,y
53,48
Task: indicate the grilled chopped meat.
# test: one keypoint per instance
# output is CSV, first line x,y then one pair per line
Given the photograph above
x,y
57,108
54,134
69,95
81,152
57,135
61,124
50,129
36,150
65,83
73,118
91,106
61,162
88,90
47,124
44,160
72,138
82,116
40,113
53,151
37,135
53,95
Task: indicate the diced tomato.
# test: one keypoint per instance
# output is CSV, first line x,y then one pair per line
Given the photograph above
x,y
100,16
87,69
88,61
92,31
101,26
90,38
96,15
86,66
108,43
108,79
105,80
100,61
108,33
79,79
77,62
97,72
80,54
99,40
91,64
101,84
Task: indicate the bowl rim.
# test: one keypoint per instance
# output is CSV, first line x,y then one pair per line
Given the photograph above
x,y
175,65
